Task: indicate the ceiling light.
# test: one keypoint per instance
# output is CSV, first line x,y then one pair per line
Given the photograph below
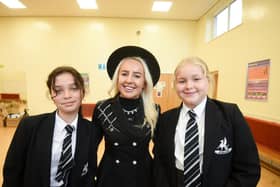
x,y
161,6
87,4
13,3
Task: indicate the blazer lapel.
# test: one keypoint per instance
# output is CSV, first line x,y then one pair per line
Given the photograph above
x,y
45,140
212,131
172,128
82,140
82,146
169,122
170,131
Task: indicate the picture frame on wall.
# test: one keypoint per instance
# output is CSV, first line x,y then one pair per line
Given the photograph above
x,y
257,80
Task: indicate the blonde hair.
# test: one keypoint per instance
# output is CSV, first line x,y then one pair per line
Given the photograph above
x,y
150,112
204,67
194,60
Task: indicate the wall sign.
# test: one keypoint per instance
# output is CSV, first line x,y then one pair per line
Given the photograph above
x,y
257,80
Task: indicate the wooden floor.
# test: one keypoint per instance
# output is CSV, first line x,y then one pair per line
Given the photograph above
x,y
268,179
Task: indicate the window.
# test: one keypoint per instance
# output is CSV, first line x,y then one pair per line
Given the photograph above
x,y
235,16
222,22
228,18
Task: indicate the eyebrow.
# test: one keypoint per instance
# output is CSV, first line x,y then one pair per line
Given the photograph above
x,y
134,72
71,84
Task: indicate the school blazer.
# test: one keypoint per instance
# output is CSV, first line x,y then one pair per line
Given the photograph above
x,y
29,156
236,164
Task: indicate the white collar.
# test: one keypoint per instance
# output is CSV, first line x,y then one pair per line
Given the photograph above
x,y
61,124
197,110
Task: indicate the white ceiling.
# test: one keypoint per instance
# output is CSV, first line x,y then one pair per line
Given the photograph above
x,y
181,9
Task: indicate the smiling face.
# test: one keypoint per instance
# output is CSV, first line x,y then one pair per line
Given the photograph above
x,y
131,79
66,94
191,84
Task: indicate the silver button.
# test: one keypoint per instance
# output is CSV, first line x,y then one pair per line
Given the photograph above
x,y
134,144
117,161
116,144
134,162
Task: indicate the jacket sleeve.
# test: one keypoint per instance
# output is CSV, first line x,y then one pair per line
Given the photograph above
x,y
14,166
245,164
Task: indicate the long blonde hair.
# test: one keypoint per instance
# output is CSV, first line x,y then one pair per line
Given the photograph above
x,y
150,112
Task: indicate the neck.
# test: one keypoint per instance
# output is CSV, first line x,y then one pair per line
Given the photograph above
x,y
129,104
67,117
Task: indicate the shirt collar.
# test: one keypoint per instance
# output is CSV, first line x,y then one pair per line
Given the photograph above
x,y
198,110
61,124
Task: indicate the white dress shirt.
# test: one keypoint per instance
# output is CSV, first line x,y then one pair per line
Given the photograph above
x,y
57,142
181,129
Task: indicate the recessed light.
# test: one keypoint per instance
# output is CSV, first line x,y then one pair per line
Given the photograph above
x,y
13,3
87,4
161,6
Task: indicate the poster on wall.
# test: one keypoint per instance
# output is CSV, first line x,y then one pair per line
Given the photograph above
x,y
257,80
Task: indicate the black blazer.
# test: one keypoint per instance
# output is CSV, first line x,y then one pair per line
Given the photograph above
x,y
29,156
236,168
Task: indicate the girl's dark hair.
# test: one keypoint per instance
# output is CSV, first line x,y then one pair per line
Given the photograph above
x,y
79,82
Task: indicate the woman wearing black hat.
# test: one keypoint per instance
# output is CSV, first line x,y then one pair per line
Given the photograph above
x,y
127,120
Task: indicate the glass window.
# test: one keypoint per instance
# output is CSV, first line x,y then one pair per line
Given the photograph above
x,y
222,22
235,17
230,17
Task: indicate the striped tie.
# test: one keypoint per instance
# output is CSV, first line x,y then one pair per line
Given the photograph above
x,y
191,154
66,159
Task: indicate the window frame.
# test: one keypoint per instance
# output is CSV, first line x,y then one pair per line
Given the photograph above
x,y
215,20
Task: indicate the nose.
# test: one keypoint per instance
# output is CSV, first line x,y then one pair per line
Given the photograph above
x,y
129,79
188,85
67,93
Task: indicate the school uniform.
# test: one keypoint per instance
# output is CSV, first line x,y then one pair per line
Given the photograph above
x,y
28,162
236,165
126,161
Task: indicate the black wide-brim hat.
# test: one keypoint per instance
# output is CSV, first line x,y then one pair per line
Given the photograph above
x,y
134,51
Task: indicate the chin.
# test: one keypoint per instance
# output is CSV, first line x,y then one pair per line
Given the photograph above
x,y
130,96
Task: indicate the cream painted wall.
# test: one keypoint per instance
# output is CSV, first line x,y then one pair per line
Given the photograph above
x,y
13,82
256,39
36,45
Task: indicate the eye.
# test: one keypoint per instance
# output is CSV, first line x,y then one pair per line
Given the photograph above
x,y
181,81
74,88
123,73
137,76
58,91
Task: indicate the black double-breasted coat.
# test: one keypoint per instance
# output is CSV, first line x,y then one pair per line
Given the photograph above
x,y
28,159
126,161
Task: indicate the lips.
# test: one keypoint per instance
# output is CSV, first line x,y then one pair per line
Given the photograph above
x,y
189,93
128,88
68,103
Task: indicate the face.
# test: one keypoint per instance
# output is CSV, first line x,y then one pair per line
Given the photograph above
x,y
131,79
65,94
191,84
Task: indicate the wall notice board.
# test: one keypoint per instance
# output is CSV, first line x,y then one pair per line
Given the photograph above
x,y
257,80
